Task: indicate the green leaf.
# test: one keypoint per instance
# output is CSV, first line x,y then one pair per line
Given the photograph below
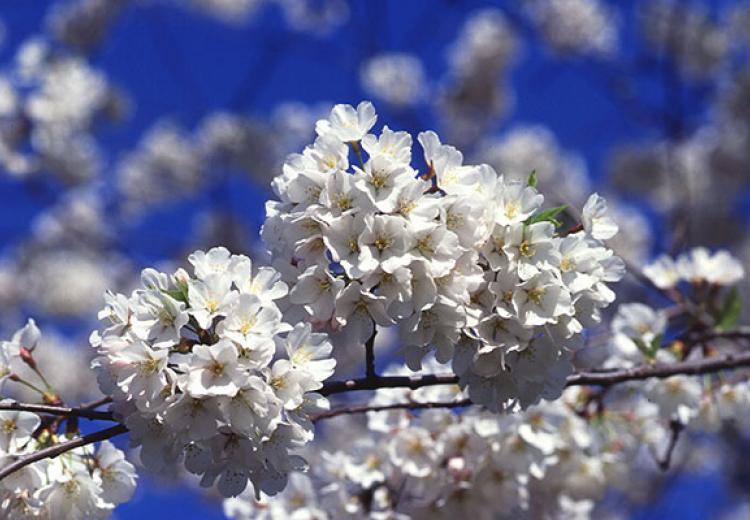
x,y
532,179
649,350
730,311
178,294
548,215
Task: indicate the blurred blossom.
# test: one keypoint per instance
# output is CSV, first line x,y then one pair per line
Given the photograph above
x,y
48,105
164,166
561,175
636,238
739,24
687,34
83,24
239,142
171,162
76,219
69,283
396,78
294,123
575,26
315,16
229,11
476,93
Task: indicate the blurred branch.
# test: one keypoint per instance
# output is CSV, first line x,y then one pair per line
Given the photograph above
x,y
63,411
350,410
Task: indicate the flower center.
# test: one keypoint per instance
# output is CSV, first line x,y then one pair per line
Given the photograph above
x,y
525,249
536,294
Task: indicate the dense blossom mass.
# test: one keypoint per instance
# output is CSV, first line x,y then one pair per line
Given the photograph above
x,y
203,369
555,459
467,263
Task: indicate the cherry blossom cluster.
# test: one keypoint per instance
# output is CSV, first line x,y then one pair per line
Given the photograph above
x,y
203,369
696,266
464,261
81,483
556,459
638,332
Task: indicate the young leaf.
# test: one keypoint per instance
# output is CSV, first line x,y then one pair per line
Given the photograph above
x,y
532,179
649,350
547,215
730,311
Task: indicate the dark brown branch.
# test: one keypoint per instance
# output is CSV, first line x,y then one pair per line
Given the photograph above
x,y
601,378
661,371
59,449
65,411
374,383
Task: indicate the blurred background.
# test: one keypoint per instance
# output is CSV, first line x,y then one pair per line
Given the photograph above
x,y
135,131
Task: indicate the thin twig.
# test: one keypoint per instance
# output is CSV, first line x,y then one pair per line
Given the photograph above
x,y
96,404
59,410
59,449
370,357
676,428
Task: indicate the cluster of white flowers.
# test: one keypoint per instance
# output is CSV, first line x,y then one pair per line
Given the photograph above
x,y
81,483
696,266
553,460
637,338
203,369
549,461
466,262
575,26
396,78
563,179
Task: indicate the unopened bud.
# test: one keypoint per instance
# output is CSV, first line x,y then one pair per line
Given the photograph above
x,y
52,399
27,357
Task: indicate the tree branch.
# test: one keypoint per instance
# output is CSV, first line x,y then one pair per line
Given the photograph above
x,y
58,449
604,378
370,356
661,371
601,378
676,428
377,382
82,411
